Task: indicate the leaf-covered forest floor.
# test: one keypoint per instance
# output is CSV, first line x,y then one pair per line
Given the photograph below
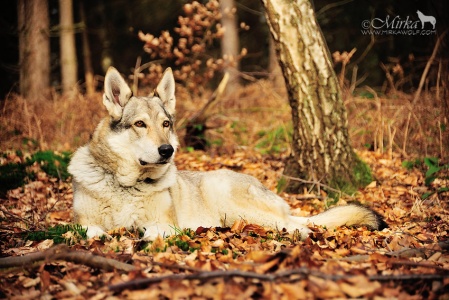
x,y
43,255
408,260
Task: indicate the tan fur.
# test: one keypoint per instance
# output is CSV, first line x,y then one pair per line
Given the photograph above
x,y
125,177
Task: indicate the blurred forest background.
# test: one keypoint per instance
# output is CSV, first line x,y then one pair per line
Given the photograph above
x,y
380,74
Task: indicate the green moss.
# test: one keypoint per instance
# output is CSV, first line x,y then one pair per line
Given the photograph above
x,y
52,163
361,173
182,239
58,234
275,140
340,185
282,184
13,175
360,177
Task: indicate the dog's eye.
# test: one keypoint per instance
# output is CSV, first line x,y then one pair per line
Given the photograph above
x,y
166,123
140,124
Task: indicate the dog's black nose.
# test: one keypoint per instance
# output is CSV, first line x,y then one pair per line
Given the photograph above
x,y
166,151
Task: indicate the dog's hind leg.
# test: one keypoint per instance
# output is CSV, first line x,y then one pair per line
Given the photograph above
x,y
233,196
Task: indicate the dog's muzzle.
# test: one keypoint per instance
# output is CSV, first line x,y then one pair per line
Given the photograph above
x,y
165,151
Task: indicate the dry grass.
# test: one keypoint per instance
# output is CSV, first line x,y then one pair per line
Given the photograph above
x,y
248,117
244,118
59,123
390,124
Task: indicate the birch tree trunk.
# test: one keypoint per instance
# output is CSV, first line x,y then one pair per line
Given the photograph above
x,y
321,147
69,64
34,48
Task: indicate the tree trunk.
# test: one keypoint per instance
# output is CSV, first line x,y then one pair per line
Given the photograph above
x,y
230,41
321,147
34,48
87,58
69,65
107,59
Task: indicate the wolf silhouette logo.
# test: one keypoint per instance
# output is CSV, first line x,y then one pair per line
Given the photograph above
x,y
424,19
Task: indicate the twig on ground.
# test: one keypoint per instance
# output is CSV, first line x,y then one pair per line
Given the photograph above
x,y
308,197
408,277
301,273
62,252
321,185
16,217
175,266
207,275
420,264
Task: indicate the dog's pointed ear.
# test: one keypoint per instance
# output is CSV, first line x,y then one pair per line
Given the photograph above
x,y
116,93
166,90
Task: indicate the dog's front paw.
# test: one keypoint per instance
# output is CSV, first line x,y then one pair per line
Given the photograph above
x,y
151,234
93,231
155,230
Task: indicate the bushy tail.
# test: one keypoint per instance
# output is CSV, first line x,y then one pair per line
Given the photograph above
x,y
348,215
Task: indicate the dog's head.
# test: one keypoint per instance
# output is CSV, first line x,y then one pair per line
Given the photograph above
x,y
141,128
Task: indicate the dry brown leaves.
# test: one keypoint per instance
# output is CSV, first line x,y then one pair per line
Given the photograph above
x,y
409,260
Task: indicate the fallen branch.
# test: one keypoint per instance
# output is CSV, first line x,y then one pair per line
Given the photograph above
x,y
174,266
207,275
28,259
420,264
62,252
319,184
299,273
308,197
408,277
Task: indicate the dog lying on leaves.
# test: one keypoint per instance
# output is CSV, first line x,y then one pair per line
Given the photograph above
x,y
126,177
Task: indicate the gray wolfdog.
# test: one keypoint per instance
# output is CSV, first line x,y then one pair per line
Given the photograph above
x,y
126,177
